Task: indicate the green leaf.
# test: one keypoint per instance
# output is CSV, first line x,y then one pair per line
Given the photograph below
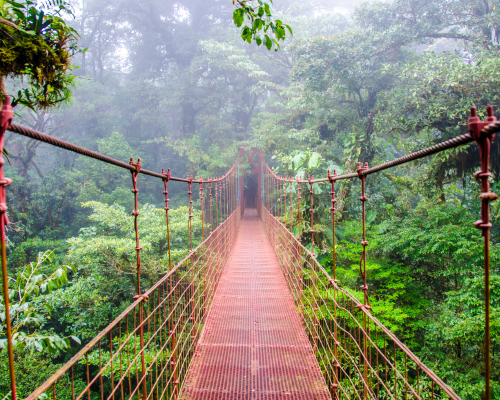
x,y
298,160
268,11
76,339
314,161
268,42
370,216
238,17
257,24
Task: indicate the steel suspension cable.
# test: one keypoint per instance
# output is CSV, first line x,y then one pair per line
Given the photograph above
x,y
447,144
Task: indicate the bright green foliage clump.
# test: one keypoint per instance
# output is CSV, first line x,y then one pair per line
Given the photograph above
x,y
39,46
259,20
110,243
34,281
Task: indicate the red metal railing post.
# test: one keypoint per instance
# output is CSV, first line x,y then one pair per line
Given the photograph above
x,y
242,200
190,228
138,249
6,116
167,208
299,211
217,207
283,194
334,281
259,183
217,202
173,363
210,204
201,205
484,138
291,206
204,271
267,198
364,243
224,215
278,199
311,212
362,268
275,222
282,206
301,276
313,272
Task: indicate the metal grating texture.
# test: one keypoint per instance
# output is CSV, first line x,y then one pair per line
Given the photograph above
x,y
253,345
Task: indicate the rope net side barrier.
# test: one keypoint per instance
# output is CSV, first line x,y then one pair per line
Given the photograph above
x,y
360,358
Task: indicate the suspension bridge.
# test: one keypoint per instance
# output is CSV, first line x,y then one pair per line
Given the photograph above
x,y
250,313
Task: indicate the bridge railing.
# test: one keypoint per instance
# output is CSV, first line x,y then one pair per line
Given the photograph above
x,y
146,351
359,356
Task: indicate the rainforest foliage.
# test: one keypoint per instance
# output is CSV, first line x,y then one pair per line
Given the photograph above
x,y
174,83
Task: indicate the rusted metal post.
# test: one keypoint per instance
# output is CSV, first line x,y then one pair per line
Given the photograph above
x,y
217,206
364,243
313,272
210,204
283,194
275,222
311,211
334,283
170,284
301,275
483,138
362,268
268,197
201,205
138,249
135,213
259,183
242,200
291,206
6,116
278,198
203,252
223,200
167,208
283,205
299,211
190,228
217,202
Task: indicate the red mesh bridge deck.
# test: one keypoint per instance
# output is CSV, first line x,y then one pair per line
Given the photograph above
x,y
253,345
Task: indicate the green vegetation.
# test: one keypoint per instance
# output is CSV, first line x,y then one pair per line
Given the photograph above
x,y
35,42
173,83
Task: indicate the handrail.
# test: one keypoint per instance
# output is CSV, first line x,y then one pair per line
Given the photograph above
x,y
292,269
42,137
120,319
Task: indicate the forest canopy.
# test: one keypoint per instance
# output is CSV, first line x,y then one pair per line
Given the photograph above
x,y
173,82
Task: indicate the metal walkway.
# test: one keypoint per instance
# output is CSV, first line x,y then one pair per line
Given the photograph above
x,y
253,345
